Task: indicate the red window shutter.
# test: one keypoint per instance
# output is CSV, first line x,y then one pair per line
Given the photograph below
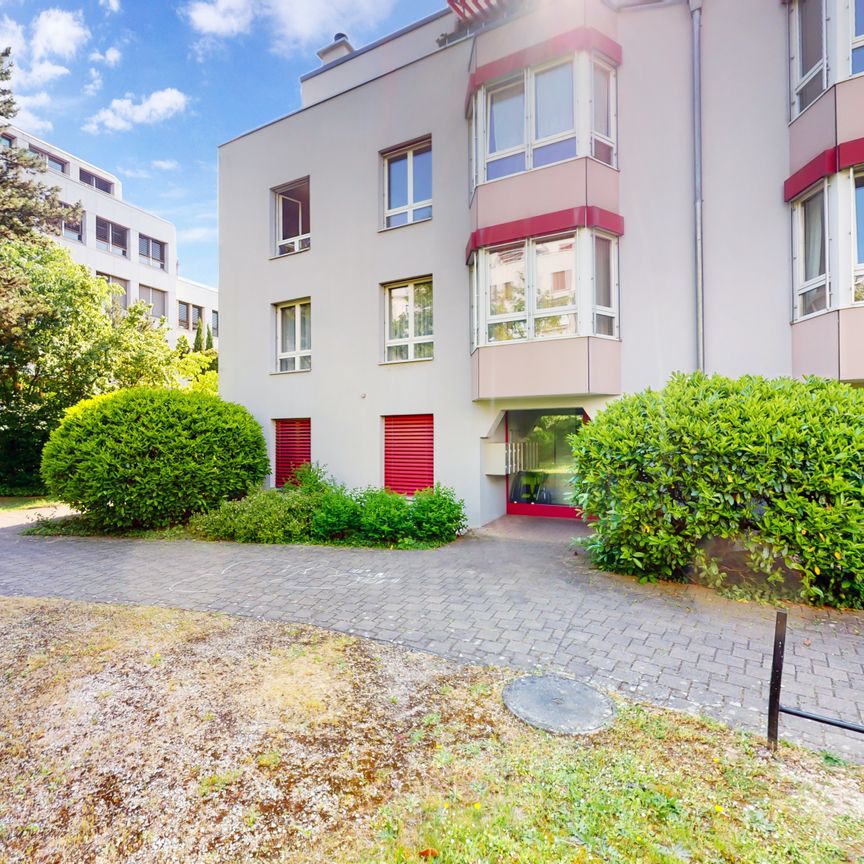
x,y
293,447
409,444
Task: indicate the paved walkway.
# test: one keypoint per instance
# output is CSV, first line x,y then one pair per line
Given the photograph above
x,y
493,597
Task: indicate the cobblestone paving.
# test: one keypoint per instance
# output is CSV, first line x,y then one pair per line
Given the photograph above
x,y
528,603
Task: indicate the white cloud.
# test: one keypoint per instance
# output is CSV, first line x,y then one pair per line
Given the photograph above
x,y
39,74
165,164
110,5
110,58
293,22
27,119
123,114
58,33
95,84
134,172
12,36
201,234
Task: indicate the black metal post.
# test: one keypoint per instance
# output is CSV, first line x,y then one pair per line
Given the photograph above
x,y
776,678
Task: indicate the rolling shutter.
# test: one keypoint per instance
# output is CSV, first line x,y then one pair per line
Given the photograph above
x,y
293,447
408,452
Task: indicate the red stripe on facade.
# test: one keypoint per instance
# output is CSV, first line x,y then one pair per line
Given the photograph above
x,y
293,447
816,169
547,223
580,39
409,447
850,153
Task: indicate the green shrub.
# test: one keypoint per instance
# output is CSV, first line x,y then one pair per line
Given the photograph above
x,y
385,516
264,516
437,515
312,477
774,466
151,457
337,516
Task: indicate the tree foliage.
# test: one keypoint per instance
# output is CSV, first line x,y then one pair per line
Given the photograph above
x,y
198,344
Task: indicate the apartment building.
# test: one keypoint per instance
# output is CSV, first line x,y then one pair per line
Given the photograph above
x,y
126,245
478,230
197,302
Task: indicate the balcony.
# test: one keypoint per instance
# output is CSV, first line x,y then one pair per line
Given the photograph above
x,y
830,345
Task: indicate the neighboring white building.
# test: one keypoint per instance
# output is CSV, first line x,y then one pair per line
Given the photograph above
x,y
477,231
128,246
197,301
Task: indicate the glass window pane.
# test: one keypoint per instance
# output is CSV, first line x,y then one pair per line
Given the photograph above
x,y
288,318
421,213
397,181
814,300
556,152
423,351
859,17
158,299
398,219
398,323
291,217
507,281
507,118
423,309
306,327
602,151
286,364
306,362
423,174
604,325
506,330
814,238
858,289
810,93
553,91
555,325
858,60
809,34
506,166
859,217
555,280
143,245
603,272
602,88
397,352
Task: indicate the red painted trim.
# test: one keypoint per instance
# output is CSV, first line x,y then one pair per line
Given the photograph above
x,y
816,169
558,511
850,153
580,39
546,223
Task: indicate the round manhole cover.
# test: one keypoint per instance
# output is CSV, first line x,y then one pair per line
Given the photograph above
x,y
558,704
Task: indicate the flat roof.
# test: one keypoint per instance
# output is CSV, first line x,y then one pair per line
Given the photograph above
x,y
60,151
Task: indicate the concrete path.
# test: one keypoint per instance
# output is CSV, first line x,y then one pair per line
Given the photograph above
x,y
502,596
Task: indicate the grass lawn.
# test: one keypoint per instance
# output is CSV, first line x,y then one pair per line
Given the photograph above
x,y
151,735
24,503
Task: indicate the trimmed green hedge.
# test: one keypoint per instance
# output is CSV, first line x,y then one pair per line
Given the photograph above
x,y
151,457
774,466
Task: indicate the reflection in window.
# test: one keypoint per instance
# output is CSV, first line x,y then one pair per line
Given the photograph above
x,y
408,186
294,336
409,330
292,218
812,278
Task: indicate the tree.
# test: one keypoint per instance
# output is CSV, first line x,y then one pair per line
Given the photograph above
x,y
198,345
181,349
208,344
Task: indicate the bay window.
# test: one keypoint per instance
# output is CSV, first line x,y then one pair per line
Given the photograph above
x,y
544,288
811,277
808,66
408,321
408,185
294,336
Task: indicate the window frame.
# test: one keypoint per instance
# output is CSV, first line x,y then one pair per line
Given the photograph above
x,y
298,354
411,205
857,39
109,245
611,140
303,241
214,323
47,157
857,253
77,237
411,340
9,140
802,285
149,299
799,81
196,314
148,258
181,324
116,280
94,181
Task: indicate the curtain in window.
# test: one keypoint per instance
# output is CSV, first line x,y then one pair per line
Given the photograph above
x,y
810,33
287,328
507,118
814,237
553,90
603,272
423,309
602,79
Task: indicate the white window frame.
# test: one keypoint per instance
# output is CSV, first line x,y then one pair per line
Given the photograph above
x,y
298,353
824,279
800,81
302,241
608,311
79,236
612,141
94,181
583,307
857,41
857,266
411,340
214,323
108,245
148,258
48,158
411,205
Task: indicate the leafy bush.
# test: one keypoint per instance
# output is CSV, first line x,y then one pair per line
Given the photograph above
x,y
312,477
774,466
151,457
385,516
337,516
437,515
264,516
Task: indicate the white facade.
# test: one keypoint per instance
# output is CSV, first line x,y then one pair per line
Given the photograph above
x,y
194,300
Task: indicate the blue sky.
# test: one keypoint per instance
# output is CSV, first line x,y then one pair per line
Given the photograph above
x,y
148,89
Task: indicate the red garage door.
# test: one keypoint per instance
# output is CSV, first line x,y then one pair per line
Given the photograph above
x,y
408,452
293,447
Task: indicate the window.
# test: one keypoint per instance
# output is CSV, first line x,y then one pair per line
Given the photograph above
x,y
121,299
292,218
408,185
155,298
807,32
294,336
293,447
183,315
858,37
550,287
112,238
811,267
7,141
214,316
604,114
151,252
197,315
408,321
71,228
858,281
52,161
95,181
409,457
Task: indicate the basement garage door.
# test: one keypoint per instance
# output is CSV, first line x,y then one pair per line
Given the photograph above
x,y
409,444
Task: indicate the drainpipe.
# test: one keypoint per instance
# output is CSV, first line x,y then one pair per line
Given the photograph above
x,y
696,18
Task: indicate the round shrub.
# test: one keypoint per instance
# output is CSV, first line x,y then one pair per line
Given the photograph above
x,y
437,515
337,516
774,466
385,516
151,457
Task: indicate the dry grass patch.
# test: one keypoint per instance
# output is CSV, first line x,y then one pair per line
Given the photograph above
x,y
148,735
